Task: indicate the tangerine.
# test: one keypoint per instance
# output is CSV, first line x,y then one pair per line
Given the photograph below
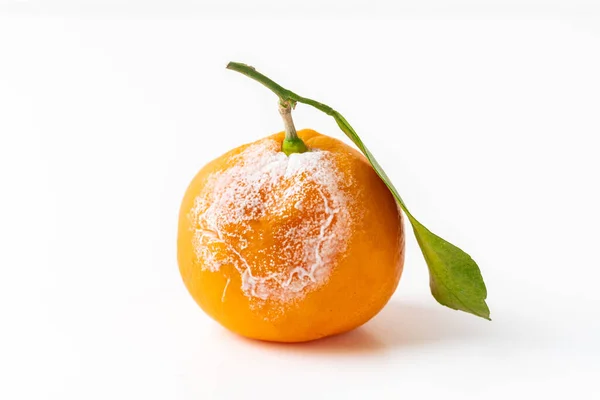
x,y
290,248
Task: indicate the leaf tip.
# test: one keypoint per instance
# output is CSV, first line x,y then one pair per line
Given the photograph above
x,y
485,314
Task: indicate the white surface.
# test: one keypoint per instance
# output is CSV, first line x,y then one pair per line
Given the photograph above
x,y
487,122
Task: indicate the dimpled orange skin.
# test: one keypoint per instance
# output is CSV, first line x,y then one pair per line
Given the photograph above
x,y
361,281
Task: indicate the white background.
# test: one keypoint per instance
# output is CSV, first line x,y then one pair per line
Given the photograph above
x,y
485,115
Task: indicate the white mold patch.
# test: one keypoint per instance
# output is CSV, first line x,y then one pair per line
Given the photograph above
x,y
281,221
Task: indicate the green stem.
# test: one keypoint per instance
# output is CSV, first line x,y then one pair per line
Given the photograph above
x,y
291,143
287,101
288,97
285,96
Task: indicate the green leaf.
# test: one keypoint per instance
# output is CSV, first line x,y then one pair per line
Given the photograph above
x,y
455,279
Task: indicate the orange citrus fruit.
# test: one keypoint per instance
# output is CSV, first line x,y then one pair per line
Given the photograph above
x,y
290,248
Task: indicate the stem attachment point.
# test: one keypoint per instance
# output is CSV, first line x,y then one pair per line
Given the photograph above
x,y
291,143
